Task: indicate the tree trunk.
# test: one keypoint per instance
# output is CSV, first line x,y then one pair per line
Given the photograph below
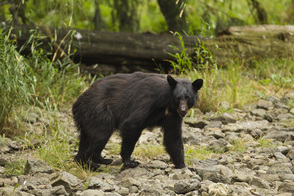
x,y
173,11
127,52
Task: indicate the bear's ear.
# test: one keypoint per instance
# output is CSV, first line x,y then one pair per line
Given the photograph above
x,y
197,84
172,82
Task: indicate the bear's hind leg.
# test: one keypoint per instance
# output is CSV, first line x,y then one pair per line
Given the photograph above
x,y
82,156
98,143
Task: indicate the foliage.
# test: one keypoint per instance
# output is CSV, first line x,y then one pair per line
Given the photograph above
x,y
147,16
34,80
15,84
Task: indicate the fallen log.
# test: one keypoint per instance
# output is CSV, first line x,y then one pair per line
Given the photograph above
x,y
126,52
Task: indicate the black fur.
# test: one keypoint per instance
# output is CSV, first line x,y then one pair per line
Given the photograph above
x,y
131,103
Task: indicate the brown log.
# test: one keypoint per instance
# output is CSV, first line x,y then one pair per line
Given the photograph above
x,y
127,52
253,42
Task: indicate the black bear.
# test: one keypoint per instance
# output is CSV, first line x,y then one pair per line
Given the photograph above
x,y
131,103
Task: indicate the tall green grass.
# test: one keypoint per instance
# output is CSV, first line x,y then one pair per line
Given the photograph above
x,y
34,80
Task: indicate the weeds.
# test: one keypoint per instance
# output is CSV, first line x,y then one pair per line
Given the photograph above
x,y
34,80
233,84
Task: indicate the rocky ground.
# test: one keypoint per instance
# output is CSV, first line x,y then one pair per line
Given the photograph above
x,y
252,153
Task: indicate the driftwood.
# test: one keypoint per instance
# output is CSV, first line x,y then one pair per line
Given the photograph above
x,y
126,52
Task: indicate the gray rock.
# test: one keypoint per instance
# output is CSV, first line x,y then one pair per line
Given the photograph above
x,y
91,192
129,182
279,169
286,187
11,180
9,191
214,124
158,164
264,104
185,186
224,118
259,182
219,189
215,132
258,112
238,190
58,190
279,156
283,149
271,178
246,126
218,145
34,166
286,116
197,124
96,183
69,181
32,182
279,135
241,177
256,133
123,191
272,99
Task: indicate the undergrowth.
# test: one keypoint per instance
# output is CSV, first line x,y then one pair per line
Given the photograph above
x,y
237,83
33,80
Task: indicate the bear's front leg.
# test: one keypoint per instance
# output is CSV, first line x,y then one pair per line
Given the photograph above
x,y
173,139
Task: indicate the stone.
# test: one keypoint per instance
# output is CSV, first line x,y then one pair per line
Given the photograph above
x,y
224,118
9,191
123,191
246,126
286,187
241,177
256,133
34,166
185,186
279,135
92,192
286,116
69,181
156,164
215,132
218,145
32,182
8,180
264,104
219,189
214,124
96,183
272,99
283,149
259,182
279,168
258,112
197,124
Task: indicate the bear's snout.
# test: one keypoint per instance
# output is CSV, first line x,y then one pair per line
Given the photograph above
x,y
183,108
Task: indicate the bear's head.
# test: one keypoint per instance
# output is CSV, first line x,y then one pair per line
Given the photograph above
x,y
185,93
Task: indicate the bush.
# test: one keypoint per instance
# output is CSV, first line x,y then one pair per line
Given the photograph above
x,y
34,80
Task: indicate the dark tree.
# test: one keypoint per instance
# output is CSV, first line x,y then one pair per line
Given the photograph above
x,y
174,13
99,24
126,14
258,12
